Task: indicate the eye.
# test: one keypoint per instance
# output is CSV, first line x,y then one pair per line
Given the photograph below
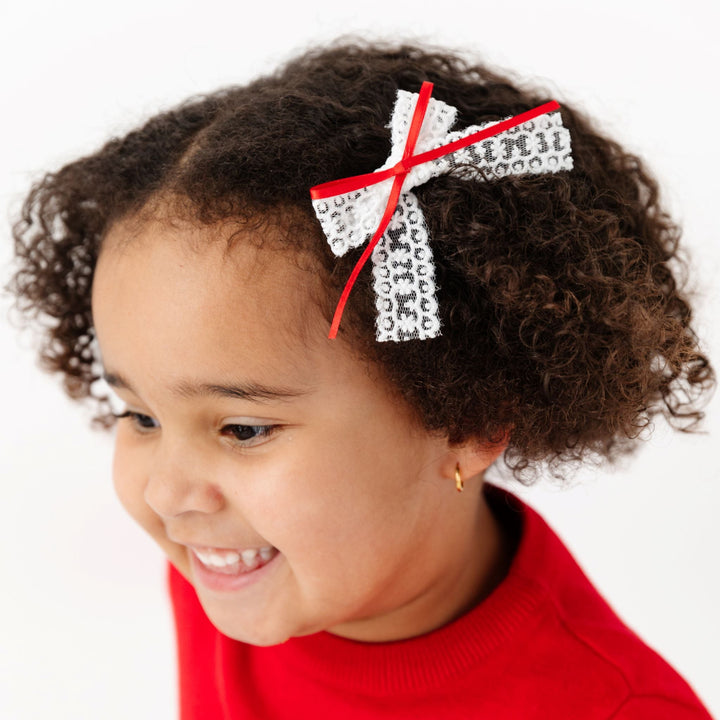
x,y
142,423
249,435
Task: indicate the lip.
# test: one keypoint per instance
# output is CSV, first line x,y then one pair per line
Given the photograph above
x,y
219,582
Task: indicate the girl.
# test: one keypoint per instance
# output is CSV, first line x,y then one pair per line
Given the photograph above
x,y
306,437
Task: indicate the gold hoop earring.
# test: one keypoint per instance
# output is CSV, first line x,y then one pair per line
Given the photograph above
x,y
459,485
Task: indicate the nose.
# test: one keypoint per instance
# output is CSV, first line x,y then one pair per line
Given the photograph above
x,y
178,482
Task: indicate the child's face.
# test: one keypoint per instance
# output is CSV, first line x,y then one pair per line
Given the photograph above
x,y
309,459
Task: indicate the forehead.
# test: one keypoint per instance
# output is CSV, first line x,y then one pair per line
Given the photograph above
x,y
206,299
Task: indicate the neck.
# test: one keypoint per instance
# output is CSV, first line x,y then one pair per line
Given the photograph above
x,y
475,562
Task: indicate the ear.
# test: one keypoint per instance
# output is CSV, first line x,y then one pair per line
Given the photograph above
x,y
472,457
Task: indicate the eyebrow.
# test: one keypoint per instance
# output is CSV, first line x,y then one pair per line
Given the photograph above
x,y
187,390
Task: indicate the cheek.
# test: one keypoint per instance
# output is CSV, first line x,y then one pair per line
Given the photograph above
x,y
329,505
129,480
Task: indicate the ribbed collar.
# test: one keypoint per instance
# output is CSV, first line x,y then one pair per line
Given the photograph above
x,y
429,660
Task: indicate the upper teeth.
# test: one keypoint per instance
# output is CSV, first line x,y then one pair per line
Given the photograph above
x,y
224,558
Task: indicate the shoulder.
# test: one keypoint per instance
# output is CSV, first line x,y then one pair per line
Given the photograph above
x,y
589,647
657,707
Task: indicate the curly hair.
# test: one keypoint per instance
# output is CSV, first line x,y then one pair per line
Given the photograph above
x,y
564,329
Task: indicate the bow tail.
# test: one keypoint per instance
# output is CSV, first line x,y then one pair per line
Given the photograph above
x,y
404,277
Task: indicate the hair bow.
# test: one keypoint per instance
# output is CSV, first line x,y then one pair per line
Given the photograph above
x,y
380,206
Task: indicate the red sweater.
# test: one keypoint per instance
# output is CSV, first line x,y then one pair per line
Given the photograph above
x,y
544,645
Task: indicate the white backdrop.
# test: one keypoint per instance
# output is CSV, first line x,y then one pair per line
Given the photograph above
x,y
85,630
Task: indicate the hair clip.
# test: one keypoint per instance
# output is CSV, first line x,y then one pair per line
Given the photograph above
x,y
381,208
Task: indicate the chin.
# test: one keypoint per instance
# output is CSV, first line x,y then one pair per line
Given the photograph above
x,y
258,639
249,630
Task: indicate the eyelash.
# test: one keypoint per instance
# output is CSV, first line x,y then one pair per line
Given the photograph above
x,y
136,419
260,431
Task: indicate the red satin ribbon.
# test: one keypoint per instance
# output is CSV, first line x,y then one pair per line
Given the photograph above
x,y
400,170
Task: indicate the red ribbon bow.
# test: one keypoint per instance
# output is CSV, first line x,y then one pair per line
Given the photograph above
x,y
400,171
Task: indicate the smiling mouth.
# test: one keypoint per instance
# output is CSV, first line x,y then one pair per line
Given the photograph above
x,y
234,562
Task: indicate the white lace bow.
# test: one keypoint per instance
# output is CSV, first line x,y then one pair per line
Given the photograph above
x,y
403,269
